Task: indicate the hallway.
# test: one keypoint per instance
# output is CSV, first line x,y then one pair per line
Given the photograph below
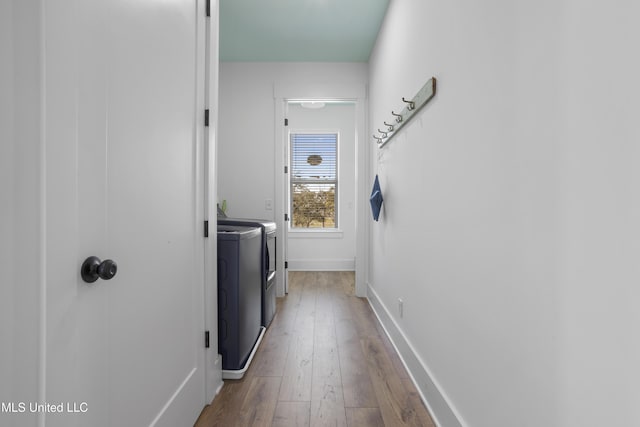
x,y
325,360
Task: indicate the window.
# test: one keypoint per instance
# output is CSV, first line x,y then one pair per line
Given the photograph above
x,y
314,180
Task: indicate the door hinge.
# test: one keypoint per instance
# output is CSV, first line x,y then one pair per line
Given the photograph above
x,y
286,264
206,339
286,217
286,122
206,229
208,8
286,169
206,118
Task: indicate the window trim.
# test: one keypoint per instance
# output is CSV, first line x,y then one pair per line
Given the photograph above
x,y
335,229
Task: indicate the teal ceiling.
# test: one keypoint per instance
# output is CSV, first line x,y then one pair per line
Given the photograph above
x,y
299,30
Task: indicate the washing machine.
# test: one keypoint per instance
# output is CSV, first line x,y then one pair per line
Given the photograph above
x,y
239,293
267,262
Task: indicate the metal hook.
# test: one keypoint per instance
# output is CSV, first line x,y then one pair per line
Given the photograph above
x,y
398,117
384,134
379,139
390,126
412,105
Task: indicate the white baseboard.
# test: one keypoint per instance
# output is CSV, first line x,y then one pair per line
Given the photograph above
x,y
440,408
348,264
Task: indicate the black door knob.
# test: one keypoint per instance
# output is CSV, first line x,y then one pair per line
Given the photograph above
x,y
93,268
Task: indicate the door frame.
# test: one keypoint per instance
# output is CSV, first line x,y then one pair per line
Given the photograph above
x,y
356,93
208,100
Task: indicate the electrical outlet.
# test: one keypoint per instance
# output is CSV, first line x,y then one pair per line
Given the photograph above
x,y
268,204
401,307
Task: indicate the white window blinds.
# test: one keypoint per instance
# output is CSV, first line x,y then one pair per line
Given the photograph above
x,y
314,179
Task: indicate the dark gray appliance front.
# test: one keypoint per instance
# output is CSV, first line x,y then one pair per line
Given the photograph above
x,y
239,293
268,262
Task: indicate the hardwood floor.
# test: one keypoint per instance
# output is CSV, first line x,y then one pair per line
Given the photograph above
x,y
324,361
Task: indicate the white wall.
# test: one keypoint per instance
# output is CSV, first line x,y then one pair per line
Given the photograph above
x,y
599,215
246,142
508,226
329,249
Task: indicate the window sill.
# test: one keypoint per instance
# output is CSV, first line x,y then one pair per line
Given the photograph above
x,y
315,234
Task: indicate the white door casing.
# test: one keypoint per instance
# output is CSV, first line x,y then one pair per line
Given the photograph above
x,y
283,92
213,361
123,159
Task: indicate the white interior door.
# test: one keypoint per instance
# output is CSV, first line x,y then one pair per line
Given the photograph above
x,y
122,173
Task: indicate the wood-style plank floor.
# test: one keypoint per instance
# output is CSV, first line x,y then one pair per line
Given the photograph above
x,y
324,361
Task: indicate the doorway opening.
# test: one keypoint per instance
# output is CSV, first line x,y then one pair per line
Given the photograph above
x,y
320,155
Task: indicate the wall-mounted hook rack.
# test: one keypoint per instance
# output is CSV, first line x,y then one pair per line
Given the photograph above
x,y
413,106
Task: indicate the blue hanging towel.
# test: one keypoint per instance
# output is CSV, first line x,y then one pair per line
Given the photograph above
x,y
376,199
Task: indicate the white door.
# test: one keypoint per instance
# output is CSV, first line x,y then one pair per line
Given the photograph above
x,y
122,168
